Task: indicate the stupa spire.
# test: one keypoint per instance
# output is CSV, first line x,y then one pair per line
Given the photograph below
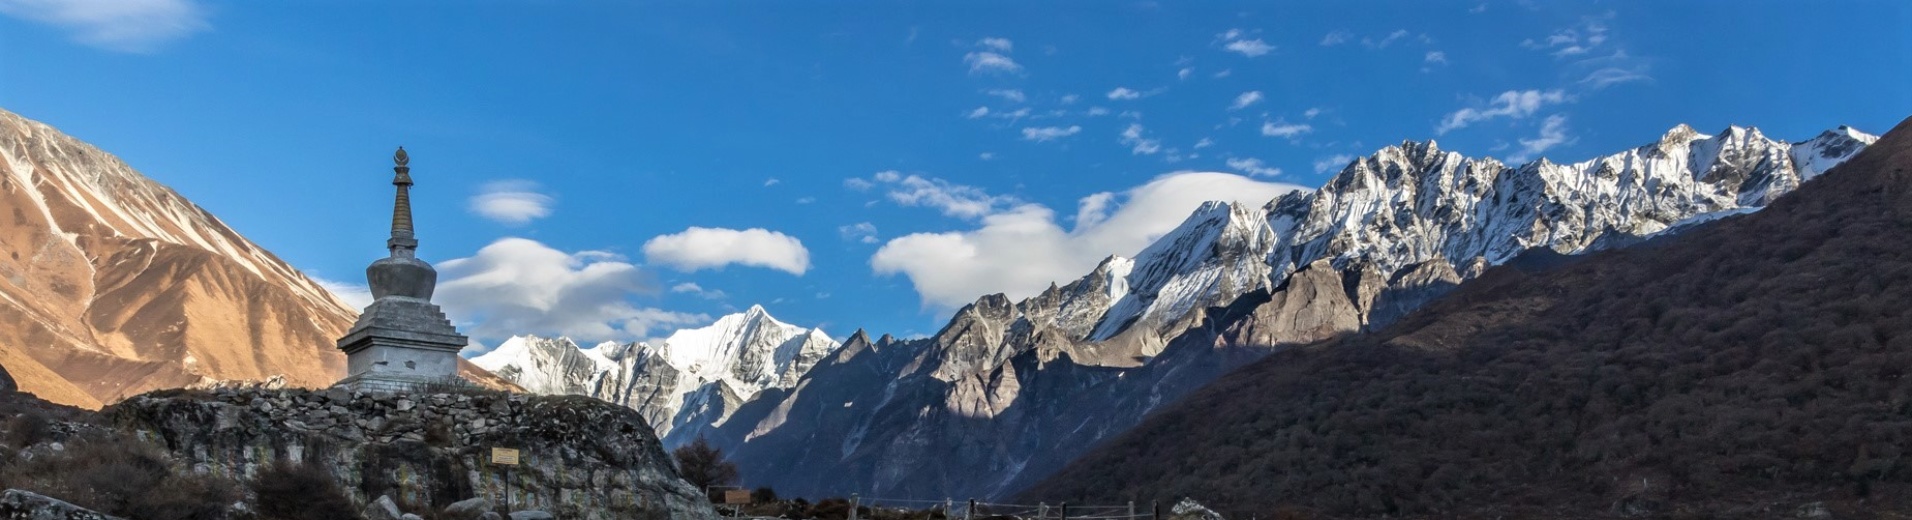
x,y
403,243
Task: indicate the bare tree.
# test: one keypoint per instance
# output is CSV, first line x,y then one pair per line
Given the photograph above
x,y
704,465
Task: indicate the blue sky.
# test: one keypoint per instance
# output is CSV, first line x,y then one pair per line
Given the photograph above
x,y
612,171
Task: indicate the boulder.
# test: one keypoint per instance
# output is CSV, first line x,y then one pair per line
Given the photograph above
x,y
23,505
468,509
382,509
532,515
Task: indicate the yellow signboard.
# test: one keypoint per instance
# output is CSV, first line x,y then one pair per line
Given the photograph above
x,y
504,456
737,497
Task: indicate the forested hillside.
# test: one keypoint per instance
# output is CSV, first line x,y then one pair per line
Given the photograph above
x,y
1752,367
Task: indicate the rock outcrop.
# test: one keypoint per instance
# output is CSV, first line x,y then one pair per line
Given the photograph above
x,y
24,505
581,458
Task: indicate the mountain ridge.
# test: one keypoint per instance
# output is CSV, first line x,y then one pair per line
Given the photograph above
x,y
117,284
1754,369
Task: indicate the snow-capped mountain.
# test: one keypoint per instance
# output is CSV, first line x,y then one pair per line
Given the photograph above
x,y
1009,391
693,380
112,284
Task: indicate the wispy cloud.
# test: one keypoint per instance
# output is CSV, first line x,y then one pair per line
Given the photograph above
x,y
990,62
1124,93
864,232
1253,166
1609,76
1553,132
1237,41
698,290
1245,100
1574,41
1336,38
1134,137
1008,94
515,202
1434,57
997,44
955,200
1332,163
1284,129
1049,133
1385,41
1514,104
136,26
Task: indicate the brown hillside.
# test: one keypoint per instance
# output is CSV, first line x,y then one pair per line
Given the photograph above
x,y
112,284
1749,368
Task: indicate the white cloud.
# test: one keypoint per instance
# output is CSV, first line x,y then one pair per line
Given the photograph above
x,y
1184,73
1332,163
1311,112
858,184
136,26
1224,73
1049,133
1588,36
1021,249
1284,129
1253,166
708,248
1336,38
806,200
1124,93
1133,137
864,232
980,62
700,291
1609,76
986,155
1204,143
1070,99
1553,132
519,286
999,44
1009,94
1435,57
1385,41
771,182
1097,111
978,112
355,295
1514,104
513,202
951,199
1250,48
1245,99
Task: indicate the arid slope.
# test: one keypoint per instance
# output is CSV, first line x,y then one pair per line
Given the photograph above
x,y
112,284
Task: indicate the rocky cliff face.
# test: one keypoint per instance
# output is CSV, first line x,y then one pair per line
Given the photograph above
x,y
692,381
112,284
581,458
1008,391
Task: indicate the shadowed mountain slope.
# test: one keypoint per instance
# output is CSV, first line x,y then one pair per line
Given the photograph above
x,y
1748,368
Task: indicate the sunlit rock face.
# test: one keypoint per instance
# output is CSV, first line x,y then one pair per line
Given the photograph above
x,y
112,284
